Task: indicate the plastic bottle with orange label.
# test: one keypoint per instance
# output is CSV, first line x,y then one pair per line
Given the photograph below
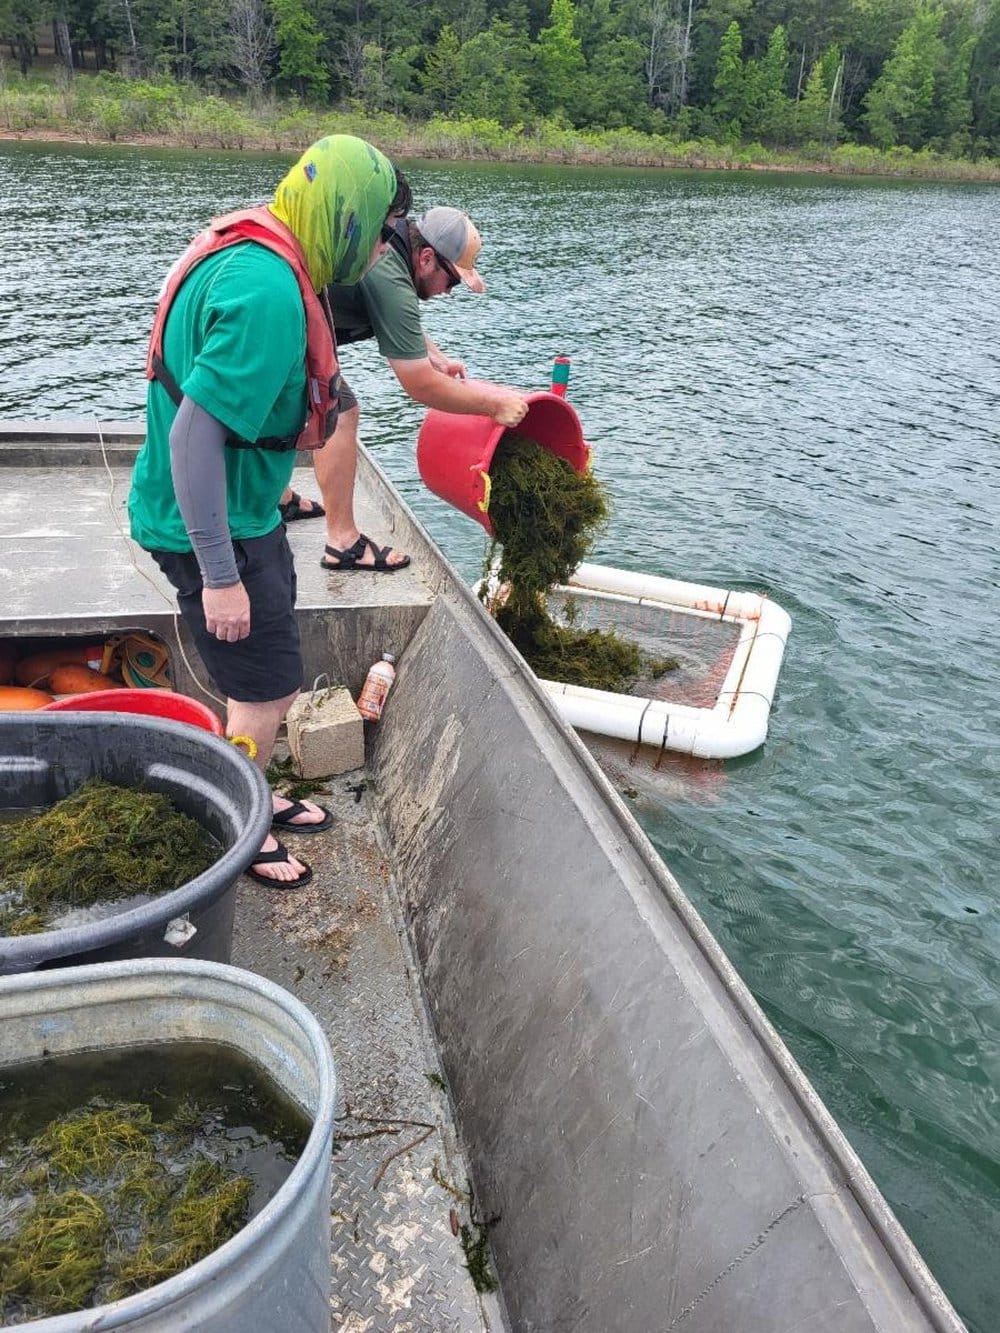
x,y
377,684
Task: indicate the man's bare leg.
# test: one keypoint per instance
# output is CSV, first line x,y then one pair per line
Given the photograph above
x,y
336,466
260,721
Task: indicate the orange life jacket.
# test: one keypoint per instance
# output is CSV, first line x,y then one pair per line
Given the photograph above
x,y
322,368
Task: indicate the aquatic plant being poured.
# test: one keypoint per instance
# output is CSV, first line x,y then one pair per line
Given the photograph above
x,y
545,517
102,844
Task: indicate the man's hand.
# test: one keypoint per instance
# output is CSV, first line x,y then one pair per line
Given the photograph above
x,y
509,407
227,612
444,364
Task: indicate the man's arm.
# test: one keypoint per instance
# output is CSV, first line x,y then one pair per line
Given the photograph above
x,y
432,388
198,468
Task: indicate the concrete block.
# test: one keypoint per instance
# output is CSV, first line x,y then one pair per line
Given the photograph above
x,y
325,733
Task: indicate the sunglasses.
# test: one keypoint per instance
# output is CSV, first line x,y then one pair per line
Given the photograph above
x,y
448,271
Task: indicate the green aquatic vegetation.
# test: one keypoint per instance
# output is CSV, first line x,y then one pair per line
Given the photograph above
x,y
146,1188
15,921
283,779
144,1206
599,659
97,1143
101,844
475,1242
55,1260
210,1209
545,517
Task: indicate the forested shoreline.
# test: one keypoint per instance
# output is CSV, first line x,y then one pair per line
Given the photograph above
x,y
893,87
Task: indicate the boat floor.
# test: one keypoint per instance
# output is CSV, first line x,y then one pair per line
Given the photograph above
x,y
340,946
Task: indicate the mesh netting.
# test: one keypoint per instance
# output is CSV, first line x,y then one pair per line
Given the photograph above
x,y
702,645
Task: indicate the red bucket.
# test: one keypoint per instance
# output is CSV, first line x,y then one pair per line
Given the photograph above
x,y
151,703
454,452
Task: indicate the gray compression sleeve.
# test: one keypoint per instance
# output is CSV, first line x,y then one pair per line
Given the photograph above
x,y
198,467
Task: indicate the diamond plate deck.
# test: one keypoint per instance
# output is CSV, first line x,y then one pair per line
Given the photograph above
x,y
340,946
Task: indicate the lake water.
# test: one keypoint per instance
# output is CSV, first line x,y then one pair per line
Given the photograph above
x,y
792,385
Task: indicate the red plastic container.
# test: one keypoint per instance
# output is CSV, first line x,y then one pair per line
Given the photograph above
x,y
454,452
151,703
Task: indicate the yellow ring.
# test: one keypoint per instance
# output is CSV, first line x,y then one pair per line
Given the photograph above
x,y
246,743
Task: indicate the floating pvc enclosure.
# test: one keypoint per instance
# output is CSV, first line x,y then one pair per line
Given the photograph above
x,y
719,713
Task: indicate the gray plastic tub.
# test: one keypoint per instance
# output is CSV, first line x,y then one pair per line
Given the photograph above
x,y
46,756
275,1273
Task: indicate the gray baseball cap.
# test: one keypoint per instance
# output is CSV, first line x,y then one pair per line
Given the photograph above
x,y
453,237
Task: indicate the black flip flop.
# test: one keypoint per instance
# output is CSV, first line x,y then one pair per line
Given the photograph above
x,y
348,559
279,854
292,509
284,819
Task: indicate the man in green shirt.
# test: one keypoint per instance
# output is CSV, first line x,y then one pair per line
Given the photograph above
x,y
240,359
423,259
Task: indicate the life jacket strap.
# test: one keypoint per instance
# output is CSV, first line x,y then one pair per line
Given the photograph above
x,y
276,443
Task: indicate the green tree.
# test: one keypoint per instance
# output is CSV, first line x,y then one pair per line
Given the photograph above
x,y
372,87
560,61
951,116
466,17
614,89
597,22
868,40
89,26
768,105
816,116
299,42
730,104
492,70
441,78
18,20
403,79
984,81
210,57
710,22
901,99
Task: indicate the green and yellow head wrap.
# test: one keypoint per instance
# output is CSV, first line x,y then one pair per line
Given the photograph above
x,y
334,201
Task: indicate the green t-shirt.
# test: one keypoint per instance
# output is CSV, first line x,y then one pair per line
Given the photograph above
x,y
384,305
235,341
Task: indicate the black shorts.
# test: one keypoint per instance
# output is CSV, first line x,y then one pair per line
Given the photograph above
x,y
267,665
347,398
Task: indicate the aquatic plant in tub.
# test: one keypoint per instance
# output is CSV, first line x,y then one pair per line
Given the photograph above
x,y
274,1272
45,757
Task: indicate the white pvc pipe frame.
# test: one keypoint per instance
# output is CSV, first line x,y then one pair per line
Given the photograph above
x,y
737,723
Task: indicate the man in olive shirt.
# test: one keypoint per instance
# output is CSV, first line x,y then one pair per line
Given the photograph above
x,y
423,259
